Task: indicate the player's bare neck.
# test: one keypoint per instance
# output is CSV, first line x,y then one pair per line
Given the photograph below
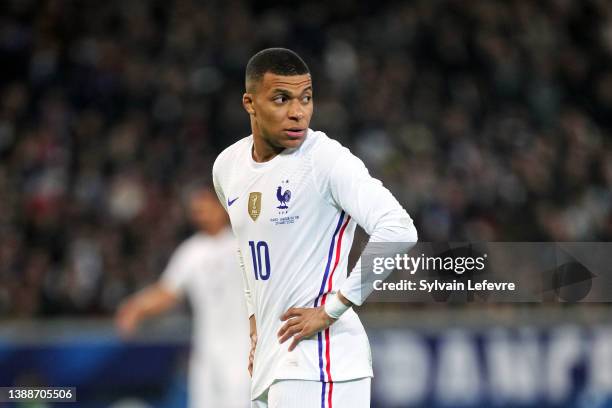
x,y
214,229
263,151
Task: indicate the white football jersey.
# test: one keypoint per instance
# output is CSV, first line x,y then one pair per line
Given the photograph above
x,y
294,218
204,268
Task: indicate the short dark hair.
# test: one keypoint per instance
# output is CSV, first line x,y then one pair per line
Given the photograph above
x,y
279,61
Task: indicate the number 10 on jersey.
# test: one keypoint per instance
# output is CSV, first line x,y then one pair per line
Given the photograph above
x,y
256,254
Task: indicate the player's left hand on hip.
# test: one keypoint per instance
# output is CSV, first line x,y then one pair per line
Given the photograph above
x,y
301,323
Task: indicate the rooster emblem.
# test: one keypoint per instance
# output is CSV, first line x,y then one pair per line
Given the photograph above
x,y
283,198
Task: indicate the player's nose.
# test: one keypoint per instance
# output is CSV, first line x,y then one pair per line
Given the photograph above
x,y
296,111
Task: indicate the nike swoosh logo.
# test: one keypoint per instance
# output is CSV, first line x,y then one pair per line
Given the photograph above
x,y
230,202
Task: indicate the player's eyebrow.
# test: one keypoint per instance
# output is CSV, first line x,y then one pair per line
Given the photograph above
x,y
288,92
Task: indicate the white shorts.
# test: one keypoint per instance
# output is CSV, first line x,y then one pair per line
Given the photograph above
x,y
315,394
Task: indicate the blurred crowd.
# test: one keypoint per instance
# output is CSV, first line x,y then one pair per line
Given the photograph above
x,y
489,120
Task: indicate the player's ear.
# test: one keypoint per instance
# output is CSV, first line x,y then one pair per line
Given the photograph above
x,y
247,102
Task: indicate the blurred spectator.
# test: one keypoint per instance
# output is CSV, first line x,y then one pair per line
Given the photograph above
x,y
204,270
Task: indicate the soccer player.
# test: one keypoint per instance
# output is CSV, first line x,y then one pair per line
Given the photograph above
x,y
204,269
294,197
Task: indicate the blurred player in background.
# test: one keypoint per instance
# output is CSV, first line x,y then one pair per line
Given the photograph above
x,y
204,269
294,197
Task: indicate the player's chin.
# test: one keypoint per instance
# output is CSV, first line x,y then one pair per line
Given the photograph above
x,y
293,142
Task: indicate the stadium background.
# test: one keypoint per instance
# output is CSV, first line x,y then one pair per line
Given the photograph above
x,y
489,120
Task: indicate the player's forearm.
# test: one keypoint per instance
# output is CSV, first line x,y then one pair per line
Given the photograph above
x,y
392,235
153,301
148,302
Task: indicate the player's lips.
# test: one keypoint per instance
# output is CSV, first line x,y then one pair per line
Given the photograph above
x,y
295,132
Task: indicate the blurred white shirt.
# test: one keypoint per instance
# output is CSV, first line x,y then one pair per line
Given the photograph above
x,y
205,269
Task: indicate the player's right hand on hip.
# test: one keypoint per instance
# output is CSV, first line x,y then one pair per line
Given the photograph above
x,y
302,323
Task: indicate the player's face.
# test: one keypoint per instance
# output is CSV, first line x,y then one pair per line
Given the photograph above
x,y
206,212
281,108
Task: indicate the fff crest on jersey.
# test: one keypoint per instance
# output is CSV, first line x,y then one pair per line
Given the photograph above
x,y
283,198
254,205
